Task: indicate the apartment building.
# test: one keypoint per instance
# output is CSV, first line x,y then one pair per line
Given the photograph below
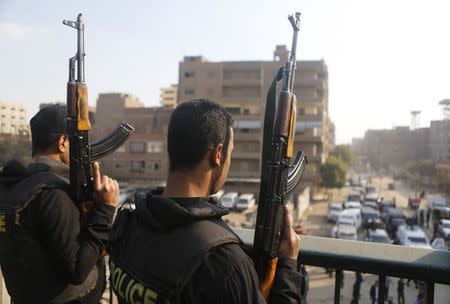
x,y
13,119
143,158
241,87
168,96
440,140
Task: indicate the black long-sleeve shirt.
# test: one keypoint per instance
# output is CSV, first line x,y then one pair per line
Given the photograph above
x,y
55,250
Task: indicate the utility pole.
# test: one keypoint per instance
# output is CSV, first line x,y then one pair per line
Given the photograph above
x,y
415,124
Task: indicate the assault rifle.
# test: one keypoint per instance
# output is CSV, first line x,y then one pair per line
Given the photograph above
x,y
278,176
82,152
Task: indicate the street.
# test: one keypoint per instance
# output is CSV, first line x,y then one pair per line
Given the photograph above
x,y
321,287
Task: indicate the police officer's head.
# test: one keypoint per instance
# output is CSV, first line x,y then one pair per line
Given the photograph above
x,y
200,137
48,133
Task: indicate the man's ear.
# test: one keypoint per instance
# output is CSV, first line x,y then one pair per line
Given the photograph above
x,y
216,156
62,146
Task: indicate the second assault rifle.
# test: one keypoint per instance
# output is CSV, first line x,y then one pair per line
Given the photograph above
x,y
82,152
278,176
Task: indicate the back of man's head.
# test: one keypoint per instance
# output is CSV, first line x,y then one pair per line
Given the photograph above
x,y
196,126
47,126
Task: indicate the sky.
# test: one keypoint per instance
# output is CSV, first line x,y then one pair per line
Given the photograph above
x,y
385,58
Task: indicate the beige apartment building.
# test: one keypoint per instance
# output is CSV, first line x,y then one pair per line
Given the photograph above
x,y
168,96
13,119
241,87
142,160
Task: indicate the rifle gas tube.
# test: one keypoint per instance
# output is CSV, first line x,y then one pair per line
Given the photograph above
x,y
278,176
82,152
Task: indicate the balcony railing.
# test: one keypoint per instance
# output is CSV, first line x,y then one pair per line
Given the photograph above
x,y
430,266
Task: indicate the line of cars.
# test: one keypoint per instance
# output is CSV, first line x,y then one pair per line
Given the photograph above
x,y
234,201
381,222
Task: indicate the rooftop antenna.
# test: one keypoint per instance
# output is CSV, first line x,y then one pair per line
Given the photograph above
x,y
445,108
415,120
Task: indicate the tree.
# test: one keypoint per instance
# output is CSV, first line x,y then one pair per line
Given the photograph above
x,y
345,153
16,147
333,173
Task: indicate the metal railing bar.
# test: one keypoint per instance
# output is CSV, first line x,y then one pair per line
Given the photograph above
x,y
381,259
337,286
430,292
381,288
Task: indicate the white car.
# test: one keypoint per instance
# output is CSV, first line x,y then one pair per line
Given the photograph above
x,y
353,214
229,200
439,244
412,237
342,221
444,229
334,211
218,195
245,201
347,233
350,204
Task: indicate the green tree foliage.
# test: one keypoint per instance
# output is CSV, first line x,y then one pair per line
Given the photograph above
x,y
344,153
422,168
333,172
17,147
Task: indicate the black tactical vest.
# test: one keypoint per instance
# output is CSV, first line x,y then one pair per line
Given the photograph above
x,y
22,257
154,267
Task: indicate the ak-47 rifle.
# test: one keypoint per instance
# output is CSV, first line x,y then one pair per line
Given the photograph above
x,y
278,176
82,152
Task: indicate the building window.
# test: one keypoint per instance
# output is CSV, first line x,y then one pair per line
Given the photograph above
x,y
156,167
154,146
234,111
301,111
189,74
246,111
189,92
137,166
137,147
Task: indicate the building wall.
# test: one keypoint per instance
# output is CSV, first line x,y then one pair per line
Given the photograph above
x,y
143,158
440,140
394,148
13,119
241,87
168,96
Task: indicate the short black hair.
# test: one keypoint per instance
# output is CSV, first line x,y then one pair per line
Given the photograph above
x,y
195,126
47,126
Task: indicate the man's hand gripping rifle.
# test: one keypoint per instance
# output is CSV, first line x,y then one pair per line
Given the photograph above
x,y
278,176
82,152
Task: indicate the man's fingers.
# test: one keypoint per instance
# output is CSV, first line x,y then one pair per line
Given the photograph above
x,y
287,218
97,175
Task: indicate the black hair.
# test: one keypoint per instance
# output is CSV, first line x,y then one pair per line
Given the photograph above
x,y
41,142
196,126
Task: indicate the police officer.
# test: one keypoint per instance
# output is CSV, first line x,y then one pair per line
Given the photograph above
x,y
49,256
174,247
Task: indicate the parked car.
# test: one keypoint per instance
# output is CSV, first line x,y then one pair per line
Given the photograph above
x,y
439,244
377,236
412,236
372,197
351,204
370,217
436,202
370,204
229,200
370,190
342,221
245,201
347,233
443,229
334,210
218,195
413,203
395,218
353,214
354,196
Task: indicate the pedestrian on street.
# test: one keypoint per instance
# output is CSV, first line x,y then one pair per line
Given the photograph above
x,y
387,283
374,292
428,217
401,291
421,217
